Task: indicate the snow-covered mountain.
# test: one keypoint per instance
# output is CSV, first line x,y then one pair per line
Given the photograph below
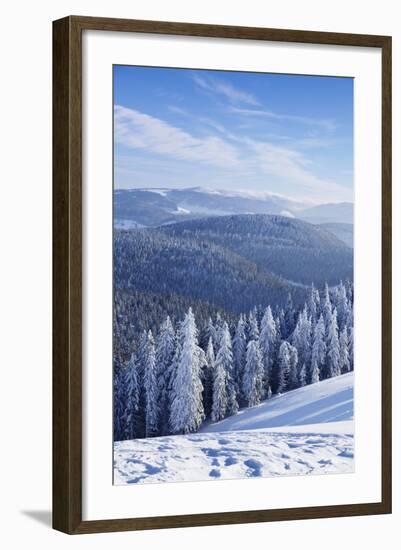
x,y
161,206
305,431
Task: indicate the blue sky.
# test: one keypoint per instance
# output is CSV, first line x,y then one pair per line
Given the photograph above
x,y
255,132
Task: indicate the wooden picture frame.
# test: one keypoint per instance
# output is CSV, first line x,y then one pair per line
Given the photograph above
x,y
67,273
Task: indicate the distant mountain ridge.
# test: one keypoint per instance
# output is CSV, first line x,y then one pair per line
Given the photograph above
x,y
142,207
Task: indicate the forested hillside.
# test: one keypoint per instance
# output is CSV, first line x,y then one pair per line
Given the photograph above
x,y
155,260
289,248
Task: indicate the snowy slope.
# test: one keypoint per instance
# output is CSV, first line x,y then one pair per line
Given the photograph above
x,y
328,401
306,431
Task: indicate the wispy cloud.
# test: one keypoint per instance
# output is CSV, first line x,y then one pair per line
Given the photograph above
x,y
177,110
227,154
314,143
293,166
210,122
141,131
232,94
326,124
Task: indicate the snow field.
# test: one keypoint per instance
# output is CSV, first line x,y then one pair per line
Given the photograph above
x,y
305,431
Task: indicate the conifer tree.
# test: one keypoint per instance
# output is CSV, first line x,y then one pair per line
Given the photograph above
x,y
239,355
224,357
209,331
301,338
253,328
269,341
333,348
289,317
151,389
327,308
280,324
344,351
314,304
252,385
342,306
219,405
283,368
319,351
292,367
302,377
351,347
207,379
118,404
186,411
218,325
349,286
131,384
165,349
141,362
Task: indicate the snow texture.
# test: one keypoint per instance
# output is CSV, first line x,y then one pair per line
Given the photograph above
x,y
305,431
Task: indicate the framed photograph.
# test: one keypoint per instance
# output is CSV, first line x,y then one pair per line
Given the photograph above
x,y
222,275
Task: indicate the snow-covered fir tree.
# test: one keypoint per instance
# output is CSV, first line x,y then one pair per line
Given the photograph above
x,y
131,383
239,356
208,378
224,357
165,349
208,331
351,347
203,365
283,368
219,405
141,356
318,357
289,317
253,327
332,367
344,351
349,286
302,376
280,323
327,308
269,343
252,383
187,413
314,304
301,338
119,403
151,389
218,325
291,355
341,306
